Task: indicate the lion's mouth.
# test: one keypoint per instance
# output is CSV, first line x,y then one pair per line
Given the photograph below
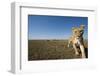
x,y
78,37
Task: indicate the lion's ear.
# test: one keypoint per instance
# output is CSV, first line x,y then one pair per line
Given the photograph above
x,y
82,27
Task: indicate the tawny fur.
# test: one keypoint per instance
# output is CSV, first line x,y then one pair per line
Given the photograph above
x,y
77,40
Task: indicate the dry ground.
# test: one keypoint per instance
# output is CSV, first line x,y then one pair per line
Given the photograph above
x,y
51,49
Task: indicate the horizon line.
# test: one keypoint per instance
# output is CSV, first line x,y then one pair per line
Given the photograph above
x,y
53,39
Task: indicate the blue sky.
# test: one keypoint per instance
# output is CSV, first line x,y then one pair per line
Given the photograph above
x,y
54,27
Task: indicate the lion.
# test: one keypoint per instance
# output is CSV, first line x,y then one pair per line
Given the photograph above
x,y
77,40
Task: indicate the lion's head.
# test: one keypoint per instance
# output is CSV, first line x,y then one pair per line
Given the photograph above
x,y
78,31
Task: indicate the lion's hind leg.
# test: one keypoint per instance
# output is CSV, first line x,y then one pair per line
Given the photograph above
x,y
82,51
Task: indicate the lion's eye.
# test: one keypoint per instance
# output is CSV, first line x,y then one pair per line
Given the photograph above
x,y
75,31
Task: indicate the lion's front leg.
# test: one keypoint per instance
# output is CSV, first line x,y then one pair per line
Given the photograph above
x,y
76,50
69,43
82,51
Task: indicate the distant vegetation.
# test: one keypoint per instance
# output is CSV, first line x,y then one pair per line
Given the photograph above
x,y
51,49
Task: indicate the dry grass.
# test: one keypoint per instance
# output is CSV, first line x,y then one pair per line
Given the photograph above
x,y
50,49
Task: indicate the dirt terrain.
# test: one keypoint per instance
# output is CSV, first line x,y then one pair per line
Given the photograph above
x,y
51,49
